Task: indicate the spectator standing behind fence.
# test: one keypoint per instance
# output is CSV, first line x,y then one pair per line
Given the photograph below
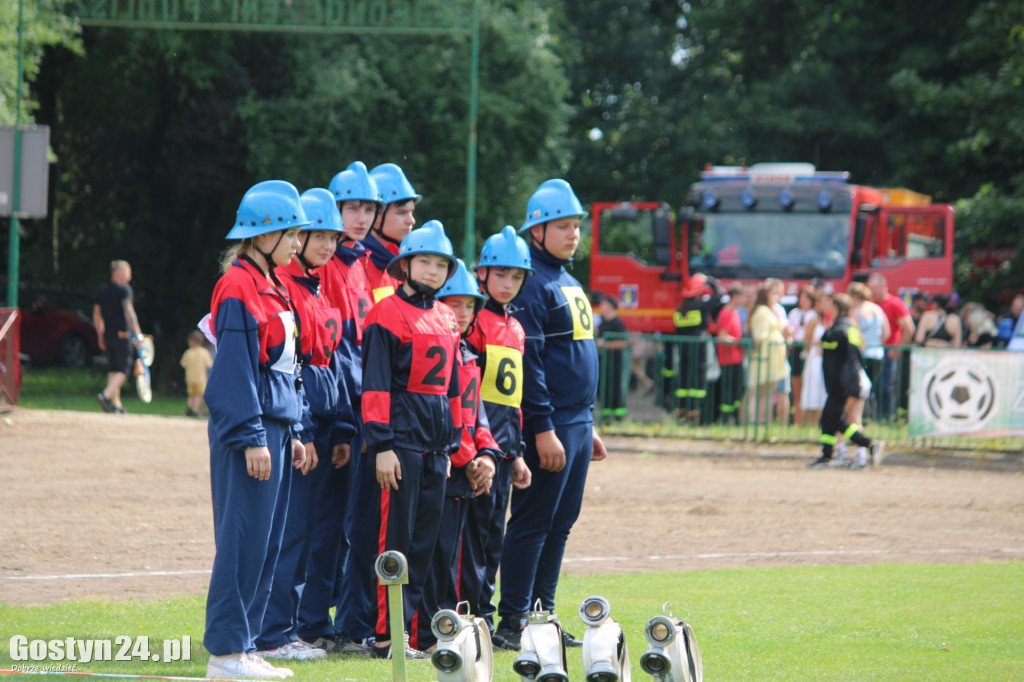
x,y
701,301
197,361
980,326
613,395
874,326
1007,322
800,318
940,327
768,362
785,385
901,330
812,397
728,330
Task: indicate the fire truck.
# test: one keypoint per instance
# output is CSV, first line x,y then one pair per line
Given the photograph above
x,y
789,221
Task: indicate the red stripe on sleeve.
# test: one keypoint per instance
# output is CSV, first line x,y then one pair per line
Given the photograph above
x,y
376,407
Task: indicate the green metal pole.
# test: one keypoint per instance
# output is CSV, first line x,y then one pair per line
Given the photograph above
x,y
13,256
469,238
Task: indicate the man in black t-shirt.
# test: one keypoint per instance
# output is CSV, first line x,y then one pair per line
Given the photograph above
x,y
113,315
612,395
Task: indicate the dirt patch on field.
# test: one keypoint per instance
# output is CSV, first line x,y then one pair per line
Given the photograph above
x,y
119,506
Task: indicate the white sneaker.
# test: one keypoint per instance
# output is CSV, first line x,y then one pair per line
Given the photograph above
x,y
304,651
294,651
862,457
241,666
279,673
877,452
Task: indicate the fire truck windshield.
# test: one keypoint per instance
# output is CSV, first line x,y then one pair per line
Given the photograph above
x,y
785,245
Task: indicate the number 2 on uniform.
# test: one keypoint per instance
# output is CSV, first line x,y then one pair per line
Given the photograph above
x,y
582,316
436,375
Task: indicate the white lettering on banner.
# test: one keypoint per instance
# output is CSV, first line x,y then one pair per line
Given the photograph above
x,y
966,393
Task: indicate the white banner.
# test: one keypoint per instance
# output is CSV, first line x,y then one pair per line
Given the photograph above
x,y
966,393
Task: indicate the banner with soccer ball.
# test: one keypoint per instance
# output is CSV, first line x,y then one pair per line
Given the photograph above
x,y
966,393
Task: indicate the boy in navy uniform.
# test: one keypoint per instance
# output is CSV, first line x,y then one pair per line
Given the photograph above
x,y
337,520
499,341
472,466
390,228
560,376
412,414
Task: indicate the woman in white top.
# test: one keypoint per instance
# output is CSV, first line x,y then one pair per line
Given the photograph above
x,y
800,318
812,398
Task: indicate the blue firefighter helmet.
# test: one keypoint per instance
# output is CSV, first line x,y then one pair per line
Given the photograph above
x,y
392,183
355,184
268,206
554,199
505,249
321,210
427,239
462,284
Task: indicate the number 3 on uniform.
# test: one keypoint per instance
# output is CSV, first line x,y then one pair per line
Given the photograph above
x,y
503,376
582,315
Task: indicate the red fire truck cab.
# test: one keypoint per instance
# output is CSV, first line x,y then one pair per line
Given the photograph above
x,y
783,220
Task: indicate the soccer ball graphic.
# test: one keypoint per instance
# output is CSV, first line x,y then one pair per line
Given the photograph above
x,y
960,395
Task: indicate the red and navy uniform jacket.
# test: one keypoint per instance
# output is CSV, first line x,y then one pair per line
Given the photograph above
x,y
255,373
381,253
561,369
345,285
477,440
499,342
411,397
320,325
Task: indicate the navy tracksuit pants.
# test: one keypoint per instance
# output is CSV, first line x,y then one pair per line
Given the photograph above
x,y
357,597
410,520
542,516
441,590
248,523
280,624
327,546
482,539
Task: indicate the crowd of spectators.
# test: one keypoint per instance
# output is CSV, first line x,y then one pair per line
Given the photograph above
x,y
739,355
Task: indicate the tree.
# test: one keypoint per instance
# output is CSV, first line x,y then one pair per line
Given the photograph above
x,y
984,153
159,133
44,25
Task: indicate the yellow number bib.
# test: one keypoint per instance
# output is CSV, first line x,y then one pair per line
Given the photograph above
x,y
582,315
503,377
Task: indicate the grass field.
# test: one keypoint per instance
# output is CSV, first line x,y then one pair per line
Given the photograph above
x,y
60,388
881,622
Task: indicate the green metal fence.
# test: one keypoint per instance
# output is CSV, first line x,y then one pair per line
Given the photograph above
x,y
675,386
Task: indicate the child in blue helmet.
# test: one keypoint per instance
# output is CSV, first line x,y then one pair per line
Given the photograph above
x,y
328,423
390,228
499,341
412,416
473,465
255,410
560,386
342,544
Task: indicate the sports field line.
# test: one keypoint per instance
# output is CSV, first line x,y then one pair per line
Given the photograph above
x,y
594,560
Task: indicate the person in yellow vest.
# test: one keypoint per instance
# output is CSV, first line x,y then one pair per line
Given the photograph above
x,y
700,303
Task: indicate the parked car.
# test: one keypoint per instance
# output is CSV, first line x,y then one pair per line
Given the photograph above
x,y
56,327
